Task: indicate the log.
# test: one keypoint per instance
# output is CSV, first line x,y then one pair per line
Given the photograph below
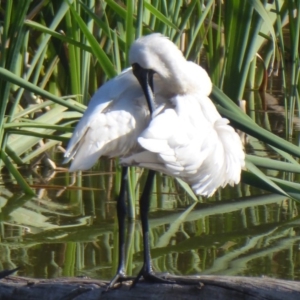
x,y
192,287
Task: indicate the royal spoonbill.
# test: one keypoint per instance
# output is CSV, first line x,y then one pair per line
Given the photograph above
x,y
157,115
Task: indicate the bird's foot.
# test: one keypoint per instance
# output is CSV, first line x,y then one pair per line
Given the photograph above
x,y
166,278
118,278
150,276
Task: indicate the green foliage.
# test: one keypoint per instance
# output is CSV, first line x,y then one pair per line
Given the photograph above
x,y
71,48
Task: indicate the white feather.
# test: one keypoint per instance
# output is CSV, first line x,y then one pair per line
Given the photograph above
x,y
116,115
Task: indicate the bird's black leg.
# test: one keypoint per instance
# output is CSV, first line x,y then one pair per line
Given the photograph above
x,y
121,213
147,270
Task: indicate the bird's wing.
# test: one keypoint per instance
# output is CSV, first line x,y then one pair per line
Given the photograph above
x,y
115,116
172,135
177,136
82,129
187,143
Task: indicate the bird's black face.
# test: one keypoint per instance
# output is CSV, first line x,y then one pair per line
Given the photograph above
x,y
145,78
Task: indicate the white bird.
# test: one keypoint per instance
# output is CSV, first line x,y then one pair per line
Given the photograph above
x,y
177,131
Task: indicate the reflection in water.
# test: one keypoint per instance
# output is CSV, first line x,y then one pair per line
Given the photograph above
x,y
74,232
272,114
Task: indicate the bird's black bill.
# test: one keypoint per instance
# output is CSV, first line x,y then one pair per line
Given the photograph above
x,y
145,78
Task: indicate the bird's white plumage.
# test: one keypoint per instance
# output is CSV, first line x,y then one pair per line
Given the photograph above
x,y
186,136
116,115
